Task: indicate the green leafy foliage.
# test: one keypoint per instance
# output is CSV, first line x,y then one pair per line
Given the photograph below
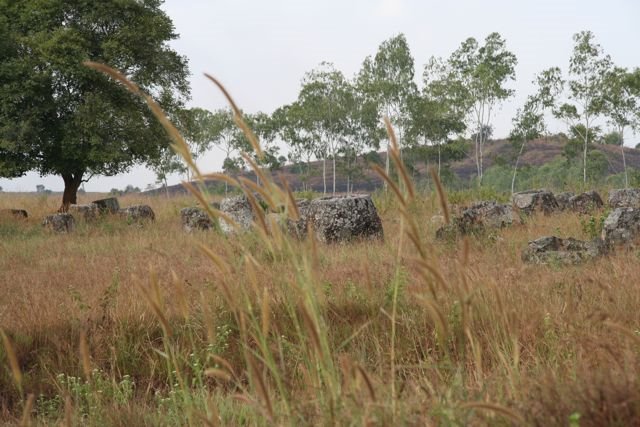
x,y
481,73
588,67
58,116
592,226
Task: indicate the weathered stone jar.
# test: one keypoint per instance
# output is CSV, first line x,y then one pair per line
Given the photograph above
x,y
194,219
342,219
60,222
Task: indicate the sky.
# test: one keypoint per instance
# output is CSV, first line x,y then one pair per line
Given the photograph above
x,y
260,49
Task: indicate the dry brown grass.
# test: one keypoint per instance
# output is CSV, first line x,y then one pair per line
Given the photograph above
x,y
261,329
544,342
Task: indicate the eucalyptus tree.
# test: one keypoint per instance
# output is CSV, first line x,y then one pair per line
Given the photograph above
x,y
432,124
440,110
58,116
387,79
198,130
529,124
481,73
265,130
195,126
220,131
324,100
291,127
362,132
588,68
165,164
621,106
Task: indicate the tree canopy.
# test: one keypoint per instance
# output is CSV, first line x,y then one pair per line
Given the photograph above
x,y
58,116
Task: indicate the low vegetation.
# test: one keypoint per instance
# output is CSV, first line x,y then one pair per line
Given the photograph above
x,y
117,325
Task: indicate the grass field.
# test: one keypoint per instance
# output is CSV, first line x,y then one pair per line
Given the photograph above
x,y
117,324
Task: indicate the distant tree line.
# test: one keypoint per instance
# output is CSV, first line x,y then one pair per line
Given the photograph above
x,y
129,189
338,120
59,117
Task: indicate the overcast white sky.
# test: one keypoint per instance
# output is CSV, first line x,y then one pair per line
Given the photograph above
x,y
261,49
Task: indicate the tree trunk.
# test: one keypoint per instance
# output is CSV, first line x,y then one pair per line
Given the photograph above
x,y
386,166
439,163
324,175
624,160
477,144
515,168
481,162
307,186
400,142
166,187
585,149
334,174
584,155
72,182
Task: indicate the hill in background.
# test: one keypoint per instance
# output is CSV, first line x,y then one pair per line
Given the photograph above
x,y
538,159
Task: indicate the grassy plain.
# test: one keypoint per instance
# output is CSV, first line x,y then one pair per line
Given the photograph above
x,y
116,324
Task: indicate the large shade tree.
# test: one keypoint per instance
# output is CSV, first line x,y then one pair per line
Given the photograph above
x,y
58,116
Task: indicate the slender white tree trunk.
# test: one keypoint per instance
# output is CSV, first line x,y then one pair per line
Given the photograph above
x,y
386,166
624,160
334,174
400,142
515,168
439,162
306,183
584,153
478,141
324,175
480,146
